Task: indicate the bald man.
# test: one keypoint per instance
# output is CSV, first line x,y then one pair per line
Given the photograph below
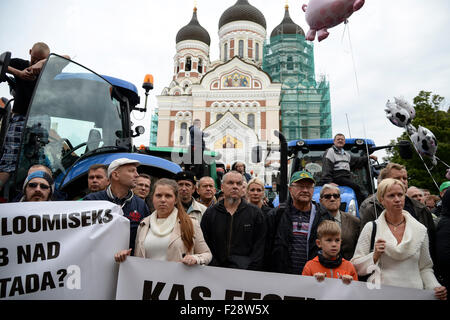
x,y
415,193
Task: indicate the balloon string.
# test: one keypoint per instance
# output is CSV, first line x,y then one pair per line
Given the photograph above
x,y
363,117
423,161
353,59
343,33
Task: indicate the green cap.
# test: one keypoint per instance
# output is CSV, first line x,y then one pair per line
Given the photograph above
x,y
444,186
300,175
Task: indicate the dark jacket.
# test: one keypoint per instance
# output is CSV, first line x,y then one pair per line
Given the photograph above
x,y
443,242
133,207
371,209
235,241
197,137
279,225
336,164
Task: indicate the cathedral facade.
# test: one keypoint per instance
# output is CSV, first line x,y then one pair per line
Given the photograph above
x,y
238,103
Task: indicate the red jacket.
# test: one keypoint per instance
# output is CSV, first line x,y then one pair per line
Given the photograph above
x,y
346,268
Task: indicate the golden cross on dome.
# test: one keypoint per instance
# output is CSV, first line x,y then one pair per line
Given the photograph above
x,y
287,4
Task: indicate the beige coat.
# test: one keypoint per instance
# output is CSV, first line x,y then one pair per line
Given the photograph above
x,y
176,247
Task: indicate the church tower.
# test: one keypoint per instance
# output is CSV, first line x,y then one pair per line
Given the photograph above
x,y
242,32
191,60
305,103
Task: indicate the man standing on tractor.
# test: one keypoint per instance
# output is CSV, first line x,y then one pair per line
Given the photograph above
x,y
337,165
25,74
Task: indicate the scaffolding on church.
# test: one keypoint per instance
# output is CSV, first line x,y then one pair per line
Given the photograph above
x,y
154,129
305,102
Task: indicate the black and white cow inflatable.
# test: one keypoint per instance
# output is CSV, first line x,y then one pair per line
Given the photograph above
x,y
425,143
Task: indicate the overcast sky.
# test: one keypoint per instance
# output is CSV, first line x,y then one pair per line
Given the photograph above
x,y
389,48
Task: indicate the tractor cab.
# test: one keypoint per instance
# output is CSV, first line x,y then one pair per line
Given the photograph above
x,y
77,118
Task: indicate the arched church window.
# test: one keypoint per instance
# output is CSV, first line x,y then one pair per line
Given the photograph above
x,y
251,120
257,52
200,66
188,64
183,130
241,48
225,51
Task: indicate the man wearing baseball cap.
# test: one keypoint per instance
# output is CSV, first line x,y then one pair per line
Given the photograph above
x,y
37,187
293,227
186,188
122,174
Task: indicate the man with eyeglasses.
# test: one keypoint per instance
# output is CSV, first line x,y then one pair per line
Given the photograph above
x,y
37,187
142,189
330,199
293,227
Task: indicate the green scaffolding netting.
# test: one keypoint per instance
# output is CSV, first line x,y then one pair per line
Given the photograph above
x,y
305,102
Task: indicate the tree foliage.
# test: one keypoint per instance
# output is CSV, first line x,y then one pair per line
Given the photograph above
x,y
433,114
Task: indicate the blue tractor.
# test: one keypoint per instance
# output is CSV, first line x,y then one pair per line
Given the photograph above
x,y
77,118
307,154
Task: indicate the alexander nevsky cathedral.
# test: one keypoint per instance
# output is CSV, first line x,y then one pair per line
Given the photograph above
x,y
256,87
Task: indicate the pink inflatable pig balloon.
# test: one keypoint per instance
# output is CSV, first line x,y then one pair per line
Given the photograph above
x,y
324,14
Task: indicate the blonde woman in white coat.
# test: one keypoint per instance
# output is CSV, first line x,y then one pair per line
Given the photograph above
x,y
169,233
401,245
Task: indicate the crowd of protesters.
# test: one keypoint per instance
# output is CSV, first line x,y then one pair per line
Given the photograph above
x,y
236,228
403,232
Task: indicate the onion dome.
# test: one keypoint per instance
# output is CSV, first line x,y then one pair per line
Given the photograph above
x,y
242,10
287,26
193,31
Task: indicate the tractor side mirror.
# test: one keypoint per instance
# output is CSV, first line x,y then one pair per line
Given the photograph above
x,y
140,130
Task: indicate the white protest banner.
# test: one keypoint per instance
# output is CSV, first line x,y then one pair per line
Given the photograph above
x,y
145,279
60,250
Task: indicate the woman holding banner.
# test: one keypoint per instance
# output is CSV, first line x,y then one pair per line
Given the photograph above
x,y
400,256
169,233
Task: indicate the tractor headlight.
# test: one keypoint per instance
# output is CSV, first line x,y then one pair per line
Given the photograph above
x,y
300,143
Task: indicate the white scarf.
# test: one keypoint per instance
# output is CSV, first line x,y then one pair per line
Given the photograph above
x,y
166,227
411,242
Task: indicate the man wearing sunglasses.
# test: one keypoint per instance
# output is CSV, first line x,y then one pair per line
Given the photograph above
x,y
37,187
330,199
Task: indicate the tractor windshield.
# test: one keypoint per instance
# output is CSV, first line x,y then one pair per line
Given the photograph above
x,y
312,162
72,112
